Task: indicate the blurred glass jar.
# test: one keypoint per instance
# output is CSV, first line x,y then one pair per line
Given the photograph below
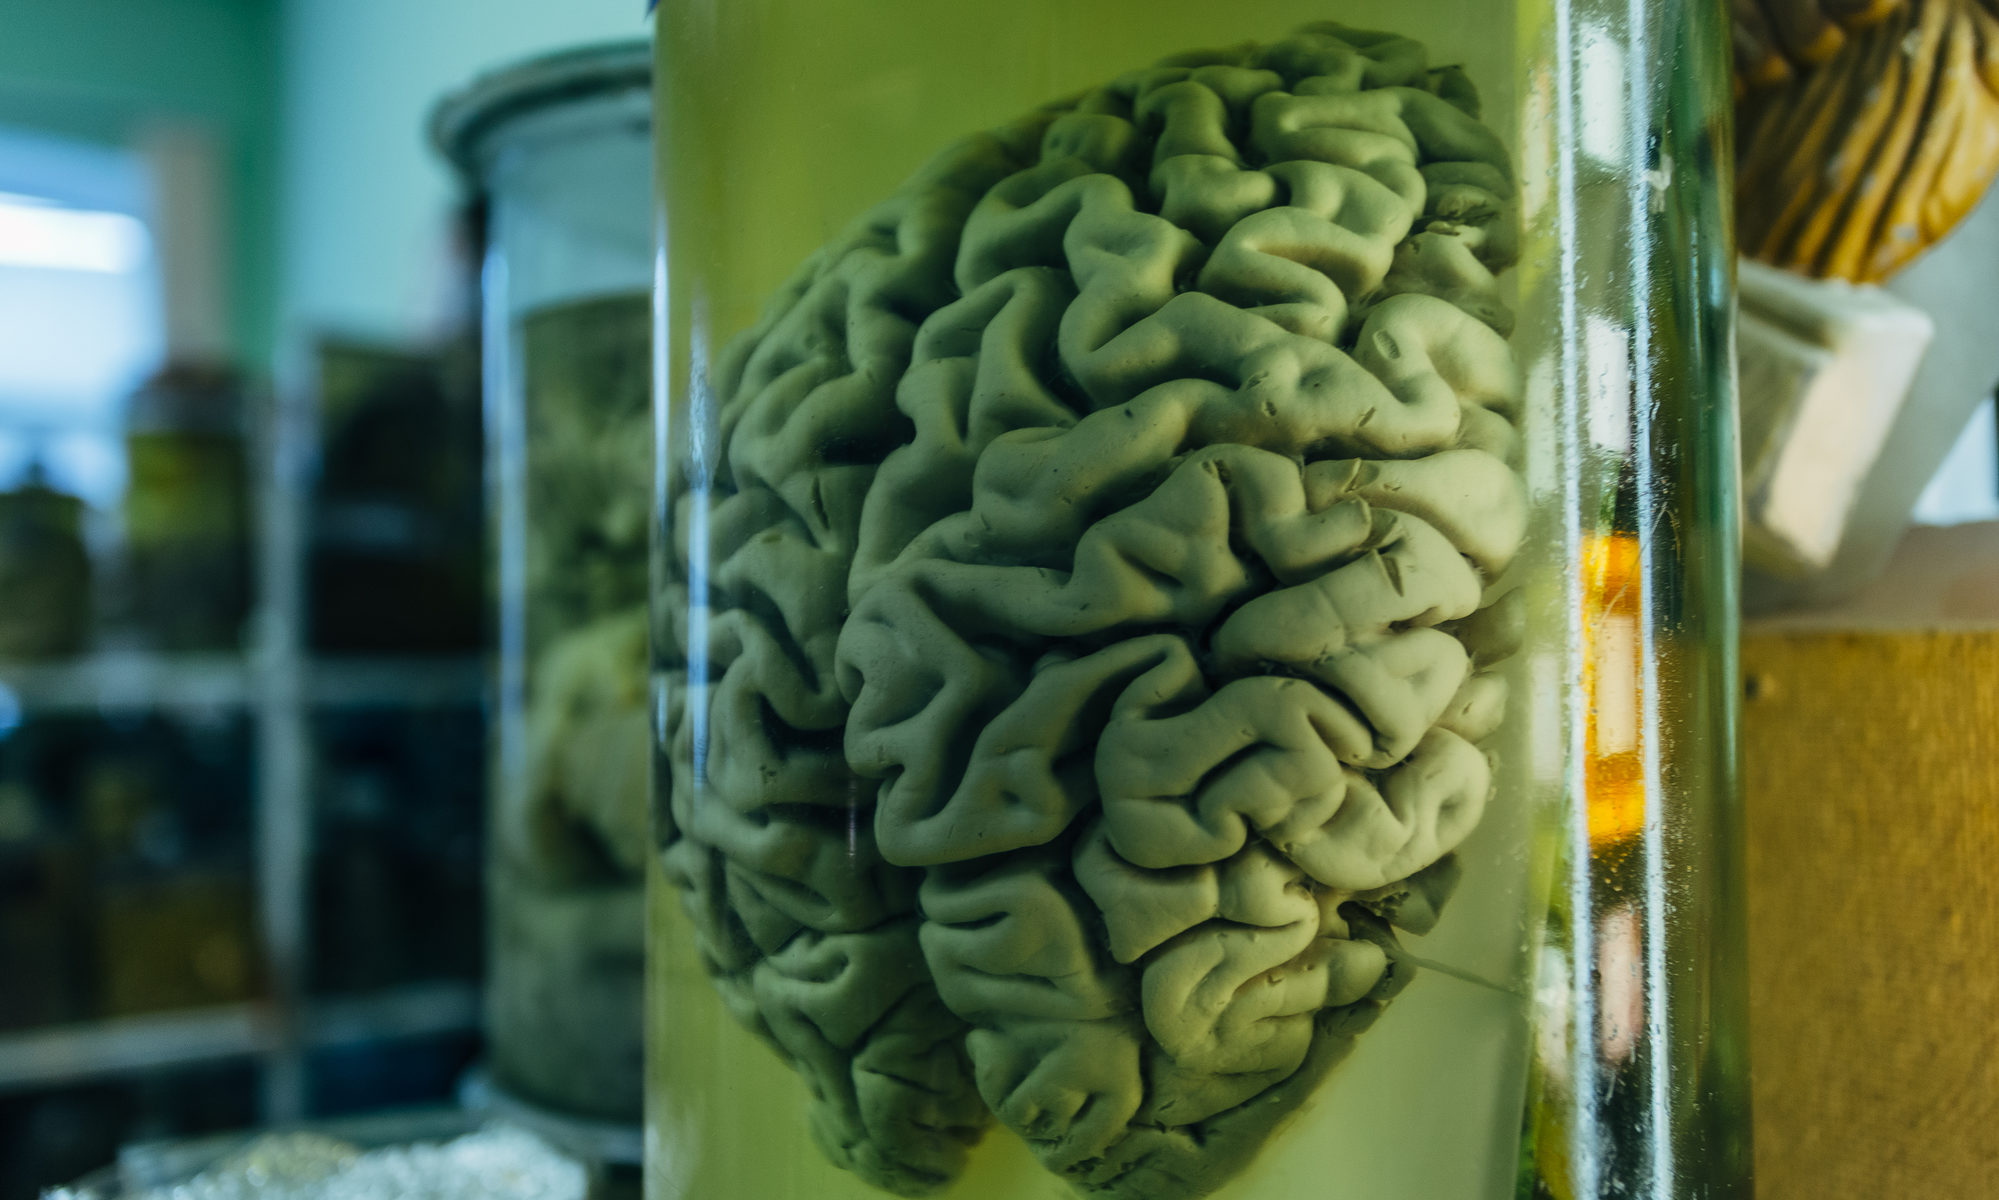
x,y
1196,629
44,573
561,148
186,585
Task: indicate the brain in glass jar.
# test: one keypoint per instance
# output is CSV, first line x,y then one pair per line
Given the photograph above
x,y
1085,611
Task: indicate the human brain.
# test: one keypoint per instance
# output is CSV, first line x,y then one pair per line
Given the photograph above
x,y
1083,630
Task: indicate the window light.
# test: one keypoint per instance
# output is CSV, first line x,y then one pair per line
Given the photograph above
x,y
36,233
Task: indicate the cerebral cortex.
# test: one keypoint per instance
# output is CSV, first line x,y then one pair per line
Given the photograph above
x,y
1085,602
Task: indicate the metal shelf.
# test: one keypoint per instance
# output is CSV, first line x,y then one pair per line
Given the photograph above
x,y
395,682
128,682
131,1045
117,681
71,1053
279,685
416,1010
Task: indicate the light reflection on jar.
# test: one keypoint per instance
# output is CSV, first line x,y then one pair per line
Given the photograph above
x,y
1620,972
1612,583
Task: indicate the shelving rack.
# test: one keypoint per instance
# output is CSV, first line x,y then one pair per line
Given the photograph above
x,y
117,683
279,686
65,1054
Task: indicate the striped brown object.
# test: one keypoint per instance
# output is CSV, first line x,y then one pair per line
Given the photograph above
x,y
1851,168
1774,38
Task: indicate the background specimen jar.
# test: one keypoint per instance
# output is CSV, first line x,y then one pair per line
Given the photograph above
x,y
560,147
927,820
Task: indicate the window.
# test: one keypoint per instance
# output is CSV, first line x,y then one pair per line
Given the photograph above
x,y
80,319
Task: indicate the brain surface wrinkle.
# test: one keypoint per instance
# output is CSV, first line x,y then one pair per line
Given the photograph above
x,y
1090,584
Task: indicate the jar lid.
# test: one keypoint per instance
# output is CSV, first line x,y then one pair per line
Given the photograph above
x,y
463,118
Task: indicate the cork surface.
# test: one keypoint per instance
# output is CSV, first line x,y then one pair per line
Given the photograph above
x,y
1872,770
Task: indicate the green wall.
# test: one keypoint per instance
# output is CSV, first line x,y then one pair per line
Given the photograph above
x,y
102,69
367,200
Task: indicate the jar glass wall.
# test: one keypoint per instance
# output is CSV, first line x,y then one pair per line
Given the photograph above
x,y
1194,627
561,149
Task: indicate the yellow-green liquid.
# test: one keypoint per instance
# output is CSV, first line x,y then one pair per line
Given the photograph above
x,y
1427,1107
780,122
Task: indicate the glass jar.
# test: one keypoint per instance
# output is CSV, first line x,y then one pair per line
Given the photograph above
x,y
1194,627
186,512
44,572
561,148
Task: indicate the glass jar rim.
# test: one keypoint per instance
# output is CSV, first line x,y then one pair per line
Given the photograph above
x,y
462,122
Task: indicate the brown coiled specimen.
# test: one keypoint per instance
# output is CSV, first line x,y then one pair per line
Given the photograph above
x,y
1856,165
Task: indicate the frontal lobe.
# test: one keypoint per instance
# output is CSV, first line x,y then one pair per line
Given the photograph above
x,y
1160,650
809,935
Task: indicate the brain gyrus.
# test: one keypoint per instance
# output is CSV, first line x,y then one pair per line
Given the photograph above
x,y
1084,615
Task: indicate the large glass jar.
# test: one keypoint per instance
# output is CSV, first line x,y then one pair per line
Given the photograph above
x,y
1194,602
561,149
